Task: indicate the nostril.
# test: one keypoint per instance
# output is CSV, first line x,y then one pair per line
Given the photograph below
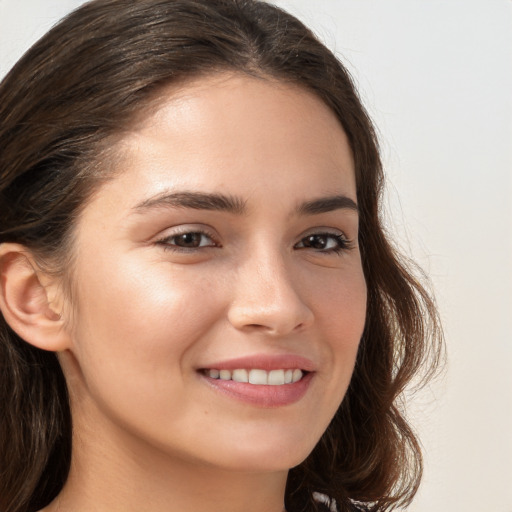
x,y
272,329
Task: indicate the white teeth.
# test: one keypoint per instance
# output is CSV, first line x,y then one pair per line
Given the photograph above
x,y
225,375
240,376
276,377
258,377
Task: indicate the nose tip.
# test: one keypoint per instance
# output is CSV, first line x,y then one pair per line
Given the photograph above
x,y
269,303
266,320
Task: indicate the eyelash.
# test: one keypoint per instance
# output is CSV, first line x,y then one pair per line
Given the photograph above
x,y
343,244
168,246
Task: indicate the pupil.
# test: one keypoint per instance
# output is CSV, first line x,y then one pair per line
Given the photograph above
x,y
316,242
189,240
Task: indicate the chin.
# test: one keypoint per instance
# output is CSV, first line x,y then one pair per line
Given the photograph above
x,y
270,458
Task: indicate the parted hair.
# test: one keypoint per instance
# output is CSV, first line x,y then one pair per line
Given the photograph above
x,y
62,107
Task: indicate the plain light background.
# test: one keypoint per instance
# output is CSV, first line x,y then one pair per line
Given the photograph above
x,y
436,76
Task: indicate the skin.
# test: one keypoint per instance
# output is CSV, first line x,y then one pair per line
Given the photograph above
x,y
147,315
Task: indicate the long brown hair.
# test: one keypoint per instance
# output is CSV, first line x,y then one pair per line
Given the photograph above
x,y
61,108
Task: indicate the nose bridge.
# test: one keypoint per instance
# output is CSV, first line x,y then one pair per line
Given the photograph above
x,y
267,296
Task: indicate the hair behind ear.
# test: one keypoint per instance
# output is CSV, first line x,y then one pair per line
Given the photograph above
x,y
35,426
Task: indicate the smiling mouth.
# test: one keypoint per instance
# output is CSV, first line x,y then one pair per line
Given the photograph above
x,y
257,376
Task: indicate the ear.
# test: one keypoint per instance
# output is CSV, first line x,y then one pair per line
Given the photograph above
x,y
25,300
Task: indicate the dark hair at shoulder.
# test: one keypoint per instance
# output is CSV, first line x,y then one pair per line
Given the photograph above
x,y
62,107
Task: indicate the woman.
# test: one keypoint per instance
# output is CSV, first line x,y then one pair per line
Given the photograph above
x,y
200,310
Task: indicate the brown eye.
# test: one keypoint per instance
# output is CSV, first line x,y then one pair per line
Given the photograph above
x,y
187,240
325,242
316,241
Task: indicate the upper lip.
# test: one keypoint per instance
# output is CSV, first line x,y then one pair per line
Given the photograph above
x,y
264,362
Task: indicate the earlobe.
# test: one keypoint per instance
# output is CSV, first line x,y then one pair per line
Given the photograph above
x,y
25,302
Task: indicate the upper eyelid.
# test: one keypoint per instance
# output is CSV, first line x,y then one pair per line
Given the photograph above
x,y
324,231
182,229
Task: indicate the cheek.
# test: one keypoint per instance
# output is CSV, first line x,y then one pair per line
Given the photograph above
x,y
149,297
339,302
139,324
341,313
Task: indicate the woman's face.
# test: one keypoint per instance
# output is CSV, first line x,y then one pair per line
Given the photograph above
x,y
225,250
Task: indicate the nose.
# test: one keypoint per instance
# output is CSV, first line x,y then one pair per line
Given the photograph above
x,y
266,298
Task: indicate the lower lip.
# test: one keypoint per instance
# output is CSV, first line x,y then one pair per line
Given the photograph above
x,y
261,395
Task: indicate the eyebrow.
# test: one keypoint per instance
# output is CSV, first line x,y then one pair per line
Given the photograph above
x,y
195,201
236,205
327,204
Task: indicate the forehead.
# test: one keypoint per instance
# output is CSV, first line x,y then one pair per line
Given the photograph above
x,y
236,134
